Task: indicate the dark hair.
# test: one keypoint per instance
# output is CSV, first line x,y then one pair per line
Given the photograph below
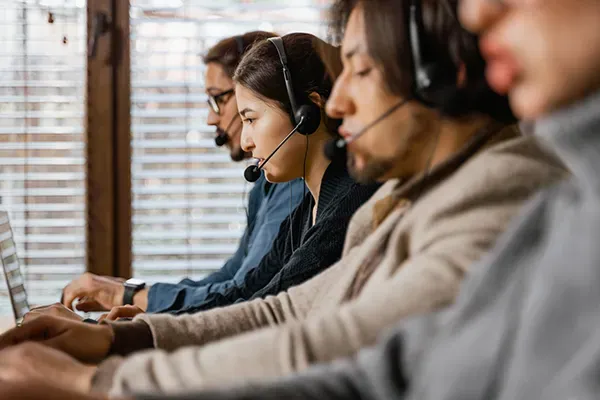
x,y
227,53
443,40
261,71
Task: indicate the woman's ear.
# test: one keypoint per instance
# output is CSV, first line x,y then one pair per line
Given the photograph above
x,y
317,99
331,124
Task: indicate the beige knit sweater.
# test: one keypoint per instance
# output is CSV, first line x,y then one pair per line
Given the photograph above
x,y
411,257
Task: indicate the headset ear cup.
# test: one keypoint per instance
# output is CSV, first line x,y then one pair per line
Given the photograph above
x,y
312,118
427,83
442,87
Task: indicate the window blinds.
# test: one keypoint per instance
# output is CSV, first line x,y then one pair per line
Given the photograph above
x,y
42,145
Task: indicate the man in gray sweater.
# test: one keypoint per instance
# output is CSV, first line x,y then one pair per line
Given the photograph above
x,y
526,323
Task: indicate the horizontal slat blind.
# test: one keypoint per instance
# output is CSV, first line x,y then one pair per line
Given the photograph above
x,y
42,145
188,195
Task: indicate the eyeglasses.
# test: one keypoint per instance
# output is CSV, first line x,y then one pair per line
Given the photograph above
x,y
218,100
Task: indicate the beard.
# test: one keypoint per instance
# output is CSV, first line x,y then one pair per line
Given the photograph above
x,y
371,172
237,154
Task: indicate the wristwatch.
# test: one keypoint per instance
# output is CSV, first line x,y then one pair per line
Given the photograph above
x,y
132,286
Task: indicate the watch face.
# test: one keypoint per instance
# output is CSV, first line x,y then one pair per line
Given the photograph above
x,y
135,282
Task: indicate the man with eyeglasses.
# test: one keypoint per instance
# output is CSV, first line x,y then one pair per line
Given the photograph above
x,y
216,99
268,206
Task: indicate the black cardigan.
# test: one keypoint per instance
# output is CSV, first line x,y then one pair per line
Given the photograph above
x,y
295,258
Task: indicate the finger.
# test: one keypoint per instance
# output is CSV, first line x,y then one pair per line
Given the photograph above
x,y
130,312
113,314
122,312
116,313
60,343
31,315
36,330
72,293
88,305
102,318
41,308
51,309
98,339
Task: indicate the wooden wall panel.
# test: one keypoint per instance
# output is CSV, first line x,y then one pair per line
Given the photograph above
x,y
122,97
108,139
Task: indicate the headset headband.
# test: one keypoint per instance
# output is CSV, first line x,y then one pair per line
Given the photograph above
x,y
239,41
422,78
287,75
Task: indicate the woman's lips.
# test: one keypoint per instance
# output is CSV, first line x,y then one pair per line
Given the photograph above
x,y
502,68
501,75
345,133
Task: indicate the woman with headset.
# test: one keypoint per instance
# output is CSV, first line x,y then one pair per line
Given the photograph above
x,y
282,85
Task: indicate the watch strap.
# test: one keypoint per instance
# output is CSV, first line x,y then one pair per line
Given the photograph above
x,y
128,294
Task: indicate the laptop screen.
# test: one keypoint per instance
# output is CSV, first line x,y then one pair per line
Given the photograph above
x,y
12,270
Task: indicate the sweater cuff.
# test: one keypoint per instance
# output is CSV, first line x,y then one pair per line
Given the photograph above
x,y
103,378
130,337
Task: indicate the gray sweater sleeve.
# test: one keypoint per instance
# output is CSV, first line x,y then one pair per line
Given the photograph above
x,y
363,378
342,381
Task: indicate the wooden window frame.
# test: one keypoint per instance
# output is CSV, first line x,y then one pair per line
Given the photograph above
x,y
108,134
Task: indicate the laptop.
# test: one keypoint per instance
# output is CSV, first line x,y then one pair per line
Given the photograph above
x,y
15,282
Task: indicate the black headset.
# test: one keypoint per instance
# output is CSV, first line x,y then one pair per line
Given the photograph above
x,y
223,137
435,81
432,82
239,41
307,116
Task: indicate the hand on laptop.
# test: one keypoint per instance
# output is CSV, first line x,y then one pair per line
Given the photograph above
x,y
95,293
121,312
56,310
86,342
33,362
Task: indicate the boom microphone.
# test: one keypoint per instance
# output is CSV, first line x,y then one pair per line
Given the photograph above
x,y
337,148
223,135
221,139
252,173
